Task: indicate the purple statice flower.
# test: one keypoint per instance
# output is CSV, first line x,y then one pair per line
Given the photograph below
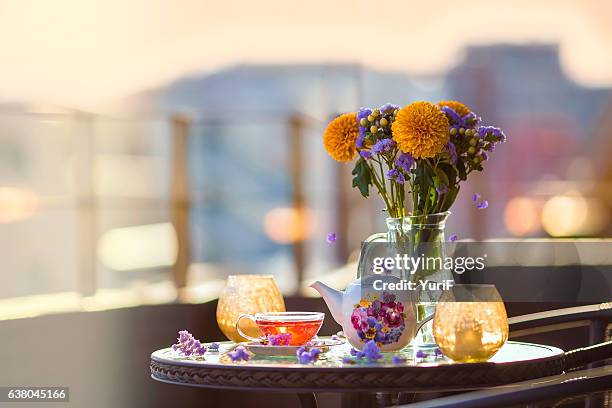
x,y
360,140
187,345
484,155
387,107
453,238
371,320
471,119
396,175
331,237
281,339
239,354
442,189
454,118
383,146
494,131
305,356
214,346
482,205
452,150
371,351
404,161
366,154
475,197
362,113
348,360
421,354
398,359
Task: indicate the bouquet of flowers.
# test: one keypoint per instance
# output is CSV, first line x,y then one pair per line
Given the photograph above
x,y
422,151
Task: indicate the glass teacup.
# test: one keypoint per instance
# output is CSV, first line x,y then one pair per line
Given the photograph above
x,y
300,327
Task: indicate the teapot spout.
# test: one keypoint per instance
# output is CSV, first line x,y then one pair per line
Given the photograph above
x,y
333,299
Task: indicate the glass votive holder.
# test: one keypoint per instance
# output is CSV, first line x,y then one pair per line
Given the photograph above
x,y
470,323
247,294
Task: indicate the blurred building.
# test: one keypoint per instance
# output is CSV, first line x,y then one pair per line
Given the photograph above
x,y
85,199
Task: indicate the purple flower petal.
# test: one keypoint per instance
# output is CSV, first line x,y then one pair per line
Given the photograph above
x,y
484,204
239,354
366,154
421,354
331,237
453,238
371,351
397,359
475,197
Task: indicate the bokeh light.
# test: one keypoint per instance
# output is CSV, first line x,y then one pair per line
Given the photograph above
x,y
564,215
521,216
17,204
287,225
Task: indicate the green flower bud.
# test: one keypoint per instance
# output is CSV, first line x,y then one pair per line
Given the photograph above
x,y
477,160
473,141
373,129
453,131
364,122
471,150
375,113
371,118
384,122
461,131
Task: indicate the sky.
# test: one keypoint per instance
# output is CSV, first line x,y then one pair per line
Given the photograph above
x,y
83,53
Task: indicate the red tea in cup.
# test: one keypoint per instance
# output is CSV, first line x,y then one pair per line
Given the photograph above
x,y
298,327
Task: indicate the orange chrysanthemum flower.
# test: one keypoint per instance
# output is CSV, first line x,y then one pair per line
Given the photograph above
x,y
457,106
340,137
420,129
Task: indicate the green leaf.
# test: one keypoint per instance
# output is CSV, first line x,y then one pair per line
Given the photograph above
x,y
441,178
450,171
363,178
461,170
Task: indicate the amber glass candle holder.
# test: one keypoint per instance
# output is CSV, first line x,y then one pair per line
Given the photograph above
x,y
247,294
470,323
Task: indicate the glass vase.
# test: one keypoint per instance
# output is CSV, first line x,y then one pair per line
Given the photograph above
x,y
417,236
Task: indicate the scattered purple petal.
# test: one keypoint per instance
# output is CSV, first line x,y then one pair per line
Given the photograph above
x,y
421,354
371,351
475,197
187,345
214,346
239,354
331,237
438,352
453,238
397,359
305,356
348,360
335,337
484,204
354,352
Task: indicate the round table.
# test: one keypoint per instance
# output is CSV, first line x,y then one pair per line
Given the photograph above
x,y
515,362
